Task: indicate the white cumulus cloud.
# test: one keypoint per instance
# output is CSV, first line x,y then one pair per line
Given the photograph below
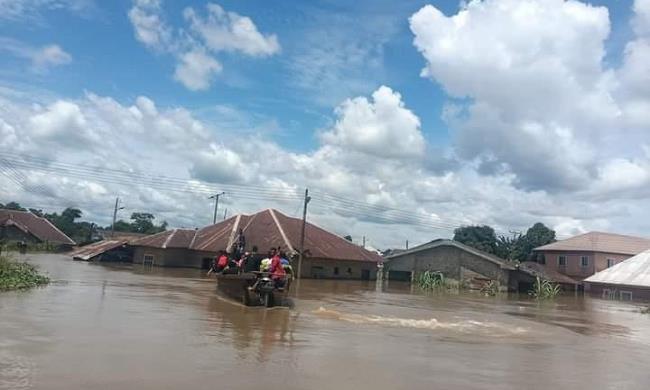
x,y
195,47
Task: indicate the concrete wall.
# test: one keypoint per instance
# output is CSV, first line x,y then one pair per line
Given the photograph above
x,y
573,268
453,262
597,289
172,257
311,267
12,234
327,269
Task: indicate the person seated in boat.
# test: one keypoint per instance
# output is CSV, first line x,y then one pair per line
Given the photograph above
x,y
241,264
221,262
254,261
276,269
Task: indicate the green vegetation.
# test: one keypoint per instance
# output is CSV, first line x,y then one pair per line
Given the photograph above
x,y
435,280
491,288
516,248
17,276
543,289
142,223
84,232
645,310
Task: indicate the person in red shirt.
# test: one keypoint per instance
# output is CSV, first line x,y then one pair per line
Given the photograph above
x,y
276,269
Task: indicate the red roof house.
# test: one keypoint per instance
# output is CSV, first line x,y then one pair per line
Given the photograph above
x,y
326,254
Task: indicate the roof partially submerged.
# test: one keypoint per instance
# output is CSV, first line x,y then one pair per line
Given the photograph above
x,y
444,242
32,224
95,249
546,273
265,229
634,271
600,242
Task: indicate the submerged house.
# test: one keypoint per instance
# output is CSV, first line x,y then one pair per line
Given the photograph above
x,y
326,254
628,280
468,265
23,226
584,255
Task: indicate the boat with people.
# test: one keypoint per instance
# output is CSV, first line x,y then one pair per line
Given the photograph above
x,y
254,288
252,279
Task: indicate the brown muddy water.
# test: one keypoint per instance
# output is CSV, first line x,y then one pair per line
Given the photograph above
x,y
102,327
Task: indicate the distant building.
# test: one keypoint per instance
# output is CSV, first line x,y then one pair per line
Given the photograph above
x,y
628,280
326,254
23,226
584,255
466,264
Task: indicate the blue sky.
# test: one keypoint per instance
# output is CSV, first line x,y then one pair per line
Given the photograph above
x,y
496,120
109,61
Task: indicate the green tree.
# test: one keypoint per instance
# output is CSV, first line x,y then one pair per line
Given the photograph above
x,y
142,222
37,212
480,237
537,235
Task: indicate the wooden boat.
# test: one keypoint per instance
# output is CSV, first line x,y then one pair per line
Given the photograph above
x,y
253,288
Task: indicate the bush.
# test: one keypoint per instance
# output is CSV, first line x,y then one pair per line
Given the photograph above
x,y
435,280
491,288
17,276
543,289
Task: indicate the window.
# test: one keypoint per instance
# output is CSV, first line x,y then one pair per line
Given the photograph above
x,y
561,261
584,261
610,262
148,259
349,270
336,270
608,294
626,295
541,259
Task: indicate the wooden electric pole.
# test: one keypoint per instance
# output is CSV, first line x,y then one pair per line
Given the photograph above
x,y
216,205
117,203
302,233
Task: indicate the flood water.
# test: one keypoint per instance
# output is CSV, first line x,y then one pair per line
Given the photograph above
x,y
122,327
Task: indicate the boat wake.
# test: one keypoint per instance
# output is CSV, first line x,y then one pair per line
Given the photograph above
x,y
464,326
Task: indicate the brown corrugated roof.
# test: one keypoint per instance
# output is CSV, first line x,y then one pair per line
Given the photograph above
x,y
95,249
546,273
265,229
175,238
600,242
37,226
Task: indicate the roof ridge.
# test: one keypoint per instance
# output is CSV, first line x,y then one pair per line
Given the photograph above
x,y
233,231
169,238
55,228
282,233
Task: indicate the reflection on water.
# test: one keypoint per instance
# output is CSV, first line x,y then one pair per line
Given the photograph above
x,y
109,327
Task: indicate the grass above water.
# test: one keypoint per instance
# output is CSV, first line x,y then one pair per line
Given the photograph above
x,y
18,276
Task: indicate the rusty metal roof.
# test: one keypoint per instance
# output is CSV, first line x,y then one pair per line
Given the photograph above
x,y
600,242
546,273
265,229
95,249
32,224
175,238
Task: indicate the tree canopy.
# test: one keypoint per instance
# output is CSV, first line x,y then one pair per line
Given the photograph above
x,y
141,223
518,247
480,237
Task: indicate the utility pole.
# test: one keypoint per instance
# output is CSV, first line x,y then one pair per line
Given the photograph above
x,y
225,212
117,203
407,244
302,234
364,241
216,205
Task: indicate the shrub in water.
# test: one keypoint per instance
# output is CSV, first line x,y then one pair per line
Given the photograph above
x,y
543,289
15,276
